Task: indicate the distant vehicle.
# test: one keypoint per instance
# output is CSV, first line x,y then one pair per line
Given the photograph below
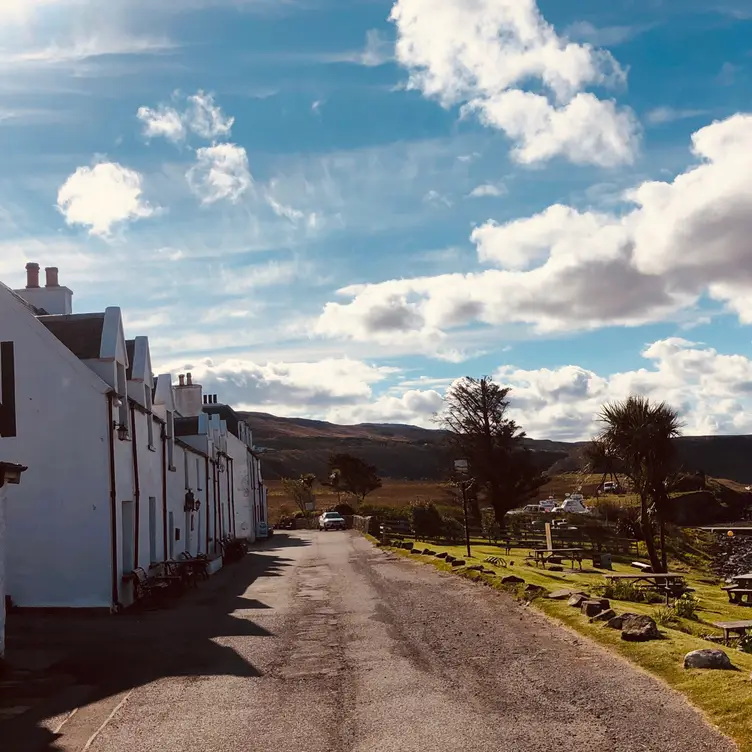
x,y
332,521
610,487
573,504
549,504
533,509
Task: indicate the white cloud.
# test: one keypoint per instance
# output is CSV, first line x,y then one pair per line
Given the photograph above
x,y
481,53
102,196
200,116
488,190
565,270
378,49
221,172
712,391
604,36
661,115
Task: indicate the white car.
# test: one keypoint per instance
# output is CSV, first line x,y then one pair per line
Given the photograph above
x,y
573,504
332,521
549,504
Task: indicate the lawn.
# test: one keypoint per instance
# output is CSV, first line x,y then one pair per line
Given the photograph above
x,y
724,696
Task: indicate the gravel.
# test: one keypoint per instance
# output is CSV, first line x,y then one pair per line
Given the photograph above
x,y
350,648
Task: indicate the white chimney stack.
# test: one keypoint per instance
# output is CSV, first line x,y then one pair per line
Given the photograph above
x,y
52,298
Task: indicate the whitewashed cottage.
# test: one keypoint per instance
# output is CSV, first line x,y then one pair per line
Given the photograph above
x,y
122,477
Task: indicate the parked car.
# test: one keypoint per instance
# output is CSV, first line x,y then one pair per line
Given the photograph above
x,y
573,504
549,504
332,521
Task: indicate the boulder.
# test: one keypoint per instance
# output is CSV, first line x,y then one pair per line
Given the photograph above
x,y
606,615
428,552
593,607
458,562
562,595
407,545
531,588
638,628
708,658
450,558
441,555
511,579
577,600
615,622
475,568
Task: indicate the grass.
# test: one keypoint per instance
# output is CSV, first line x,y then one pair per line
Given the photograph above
x,y
724,696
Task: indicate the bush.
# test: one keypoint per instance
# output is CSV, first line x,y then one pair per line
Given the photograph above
x,y
491,528
624,590
664,616
384,513
452,530
344,509
686,606
427,522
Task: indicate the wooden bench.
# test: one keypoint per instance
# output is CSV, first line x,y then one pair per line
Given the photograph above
x,y
148,588
738,595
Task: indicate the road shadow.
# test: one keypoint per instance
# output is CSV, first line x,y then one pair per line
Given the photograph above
x,y
113,654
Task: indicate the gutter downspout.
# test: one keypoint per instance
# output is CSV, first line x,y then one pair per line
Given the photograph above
x,y
113,508
206,486
164,490
136,485
231,493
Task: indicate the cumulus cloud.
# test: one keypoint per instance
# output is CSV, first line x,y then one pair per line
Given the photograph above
x,y
565,269
483,53
102,196
488,190
200,116
221,172
712,391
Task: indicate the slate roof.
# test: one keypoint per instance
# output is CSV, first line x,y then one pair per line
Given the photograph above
x,y
186,426
81,333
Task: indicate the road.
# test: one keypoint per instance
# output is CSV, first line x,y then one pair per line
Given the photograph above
x,y
324,643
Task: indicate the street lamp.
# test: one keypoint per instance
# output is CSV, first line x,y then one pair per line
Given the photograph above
x,y
465,483
192,504
10,473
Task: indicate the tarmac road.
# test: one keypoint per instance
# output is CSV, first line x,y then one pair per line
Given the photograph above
x,y
342,647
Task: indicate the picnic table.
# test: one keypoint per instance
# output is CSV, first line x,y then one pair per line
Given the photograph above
x,y
740,590
738,627
667,582
555,555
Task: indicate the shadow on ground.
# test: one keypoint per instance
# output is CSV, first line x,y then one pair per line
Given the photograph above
x,y
111,654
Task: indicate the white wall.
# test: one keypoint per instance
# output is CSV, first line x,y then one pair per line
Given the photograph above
x,y
58,551
243,491
2,569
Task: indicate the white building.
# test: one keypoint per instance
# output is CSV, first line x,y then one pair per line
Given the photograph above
x,y
122,478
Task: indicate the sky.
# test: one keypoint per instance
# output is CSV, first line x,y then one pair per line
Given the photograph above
x,y
333,209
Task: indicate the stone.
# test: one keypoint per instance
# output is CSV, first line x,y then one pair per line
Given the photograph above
x,y
441,555
512,579
708,658
531,588
450,558
615,622
428,552
562,595
577,600
638,628
606,615
407,545
458,562
475,568
592,607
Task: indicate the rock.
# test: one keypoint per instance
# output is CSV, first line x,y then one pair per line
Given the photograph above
x,y
458,562
556,568
592,607
407,545
577,600
475,568
562,595
450,558
615,622
606,615
511,579
707,658
428,552
441,555
530,588
638,628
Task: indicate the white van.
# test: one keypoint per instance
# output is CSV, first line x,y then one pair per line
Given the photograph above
x,y
573,504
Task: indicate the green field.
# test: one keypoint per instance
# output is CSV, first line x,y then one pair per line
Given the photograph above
x,y
724,696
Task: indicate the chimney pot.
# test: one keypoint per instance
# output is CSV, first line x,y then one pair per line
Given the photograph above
x,y
215,399
51,274
204,399
189,379
181,379
32,275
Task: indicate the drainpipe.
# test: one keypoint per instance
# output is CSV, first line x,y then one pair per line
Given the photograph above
x,y
164,490
113,506
136,485
231,492
206,486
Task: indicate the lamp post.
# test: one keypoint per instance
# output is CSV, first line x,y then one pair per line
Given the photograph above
x,y
465,483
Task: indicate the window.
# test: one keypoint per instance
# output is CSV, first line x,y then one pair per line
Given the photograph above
x,y
170,434
149,418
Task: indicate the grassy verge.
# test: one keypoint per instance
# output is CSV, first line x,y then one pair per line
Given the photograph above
x,y
725,697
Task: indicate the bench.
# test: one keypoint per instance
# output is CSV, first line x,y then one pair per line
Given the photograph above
x,y
147,588
738,595
642,566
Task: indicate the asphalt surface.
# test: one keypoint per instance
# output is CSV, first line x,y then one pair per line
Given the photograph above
x,y
342,647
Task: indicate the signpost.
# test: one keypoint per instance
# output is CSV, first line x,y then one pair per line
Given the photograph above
x,y
461,472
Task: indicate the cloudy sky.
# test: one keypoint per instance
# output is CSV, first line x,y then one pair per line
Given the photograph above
x,y
334,208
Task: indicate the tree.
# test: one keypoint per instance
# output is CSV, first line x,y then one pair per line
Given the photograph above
x,y
638,435
479,430
301,491
353,476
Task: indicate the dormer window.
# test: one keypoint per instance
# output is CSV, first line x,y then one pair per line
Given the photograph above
x,y
170,435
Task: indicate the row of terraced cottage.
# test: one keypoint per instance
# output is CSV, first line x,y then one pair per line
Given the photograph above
x,y
124,469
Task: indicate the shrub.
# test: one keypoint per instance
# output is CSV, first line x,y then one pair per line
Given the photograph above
x,y
384,512
452,529
686,606
491,528
427,522
344,509
664,616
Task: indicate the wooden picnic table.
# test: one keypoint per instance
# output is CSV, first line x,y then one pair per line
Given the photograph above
x,y
657,580
544,555
745,579
739,627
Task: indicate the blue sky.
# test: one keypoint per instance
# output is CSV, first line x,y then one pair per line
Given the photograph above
x,y
333,209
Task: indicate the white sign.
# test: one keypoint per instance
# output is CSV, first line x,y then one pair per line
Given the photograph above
x,y
461,467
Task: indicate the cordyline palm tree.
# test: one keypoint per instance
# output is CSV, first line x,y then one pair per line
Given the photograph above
x,y
638,434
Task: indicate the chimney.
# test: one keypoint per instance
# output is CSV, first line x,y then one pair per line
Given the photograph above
x,y
51,274
189,378
32,276
181,380
214,397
